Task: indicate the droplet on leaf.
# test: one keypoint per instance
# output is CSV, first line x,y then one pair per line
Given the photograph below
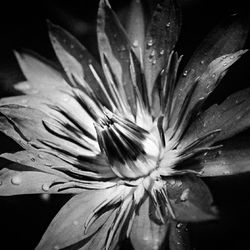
x,y
184,195
135,43
179,225
185,73
16,180
168,24
45,187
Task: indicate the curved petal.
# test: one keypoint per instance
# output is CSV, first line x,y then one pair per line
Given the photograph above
x,y
230,117
226,38
147,234
232,158
114,47
190,198
16,179
161,36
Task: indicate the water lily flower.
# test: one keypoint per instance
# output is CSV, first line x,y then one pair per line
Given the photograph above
x,y
128,137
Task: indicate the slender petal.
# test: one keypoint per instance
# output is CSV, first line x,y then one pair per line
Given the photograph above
x,y
161,36
226,38
114,44
191,199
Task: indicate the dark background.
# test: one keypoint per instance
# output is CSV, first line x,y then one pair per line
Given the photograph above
x,y
23,25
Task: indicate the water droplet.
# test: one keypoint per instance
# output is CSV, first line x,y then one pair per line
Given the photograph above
x,y
185,73
231,57
33,159
179,225
136,43
154,62
202,62
168,24
56,247
184,195
75,222
224,64
45,187
41,156
152,53
150,42
16,180
214,75
162,52
227,172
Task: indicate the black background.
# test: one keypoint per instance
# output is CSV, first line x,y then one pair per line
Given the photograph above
x,y
23,25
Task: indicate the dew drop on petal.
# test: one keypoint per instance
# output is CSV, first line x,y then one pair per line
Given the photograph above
x,y
227,172
16,180
162,52
135,43
184,195
150,42
179,225
41,156
75,222
45,187
168,24
185,73
213,75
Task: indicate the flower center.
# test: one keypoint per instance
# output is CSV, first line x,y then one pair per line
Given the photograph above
x,y
131,151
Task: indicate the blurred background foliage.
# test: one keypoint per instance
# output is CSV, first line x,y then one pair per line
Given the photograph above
x,y
23,25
